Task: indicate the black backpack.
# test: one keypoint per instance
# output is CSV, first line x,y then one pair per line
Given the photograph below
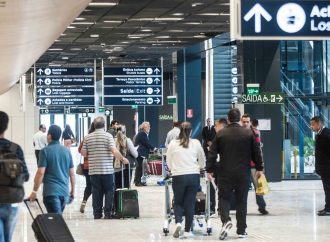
x,y
12,175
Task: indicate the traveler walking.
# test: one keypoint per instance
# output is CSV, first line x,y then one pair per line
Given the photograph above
x,y
100,149
237,147
246,123
39,140
322,158
173,133
88,187
185,159
8,211
142,140
67,136
55,168
208,134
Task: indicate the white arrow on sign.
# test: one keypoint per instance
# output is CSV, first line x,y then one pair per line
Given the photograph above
x,y
280,98
157,80
157,100
40,81
40,71
157,70
157,90
257,11
40,101
40,91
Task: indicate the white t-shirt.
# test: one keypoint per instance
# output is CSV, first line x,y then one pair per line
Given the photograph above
x,y
184,161
39,140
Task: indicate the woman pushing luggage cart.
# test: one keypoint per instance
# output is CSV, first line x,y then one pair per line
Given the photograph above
x,y
185,158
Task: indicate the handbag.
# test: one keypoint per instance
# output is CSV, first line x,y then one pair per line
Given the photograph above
x,y
262,188
79,169
132,160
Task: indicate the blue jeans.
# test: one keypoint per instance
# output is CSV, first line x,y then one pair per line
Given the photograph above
x,y
185,188
55,204
8,217
102,186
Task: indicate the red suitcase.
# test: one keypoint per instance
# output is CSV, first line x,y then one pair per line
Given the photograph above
x,y
155,167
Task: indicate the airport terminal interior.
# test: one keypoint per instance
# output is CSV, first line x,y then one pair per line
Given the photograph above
x,y
162,61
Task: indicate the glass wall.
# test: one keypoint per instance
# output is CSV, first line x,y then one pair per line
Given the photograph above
x,y
305,72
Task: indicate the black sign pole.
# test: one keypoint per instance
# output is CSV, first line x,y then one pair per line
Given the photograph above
x,y
102,67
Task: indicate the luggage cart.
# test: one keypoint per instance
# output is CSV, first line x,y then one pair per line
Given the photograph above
x,y
169,215
146,170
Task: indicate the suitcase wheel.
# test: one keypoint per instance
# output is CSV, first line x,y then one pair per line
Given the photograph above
x,y
209,231
165,231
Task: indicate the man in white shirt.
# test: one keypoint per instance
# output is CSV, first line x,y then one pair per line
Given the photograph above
x,y
173,133
40,140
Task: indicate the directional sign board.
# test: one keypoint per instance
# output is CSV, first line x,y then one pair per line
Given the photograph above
x,y
65,86
280,19
82,110
263,98
53,110
126,86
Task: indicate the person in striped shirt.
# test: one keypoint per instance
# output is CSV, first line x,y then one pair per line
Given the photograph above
x,y
100,149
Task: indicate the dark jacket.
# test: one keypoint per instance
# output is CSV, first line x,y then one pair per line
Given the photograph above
x,y
322,153
208,135
142,141
237,147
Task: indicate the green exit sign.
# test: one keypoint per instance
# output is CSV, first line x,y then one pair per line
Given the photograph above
x,y
171,99
101,109
252,88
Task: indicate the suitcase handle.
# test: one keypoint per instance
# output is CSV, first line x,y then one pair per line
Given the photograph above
x,y
26,201
129,175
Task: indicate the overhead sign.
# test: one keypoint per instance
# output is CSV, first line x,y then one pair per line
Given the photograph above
x,y
126,86
280,19
65,101
82,110
65,86
53,110
263,98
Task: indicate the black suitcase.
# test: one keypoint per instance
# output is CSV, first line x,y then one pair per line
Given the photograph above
x,y
49,227
200,203
127,204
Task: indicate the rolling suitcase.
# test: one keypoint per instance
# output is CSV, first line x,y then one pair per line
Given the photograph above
x,y
155,167
49,227
127,205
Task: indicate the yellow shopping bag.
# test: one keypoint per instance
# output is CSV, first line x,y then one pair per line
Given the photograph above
x,y
262,188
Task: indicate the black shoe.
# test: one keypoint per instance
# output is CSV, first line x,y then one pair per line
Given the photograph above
x,y
107,216
323,212
263,211
242,235
138,185
97,217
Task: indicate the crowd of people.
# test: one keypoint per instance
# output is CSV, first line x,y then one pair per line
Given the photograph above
x,y
231,154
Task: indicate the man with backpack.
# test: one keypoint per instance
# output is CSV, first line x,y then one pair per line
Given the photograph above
x,y
11,185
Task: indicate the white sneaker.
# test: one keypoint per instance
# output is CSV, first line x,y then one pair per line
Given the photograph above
x,y
187,235
242,236
177,230
225,229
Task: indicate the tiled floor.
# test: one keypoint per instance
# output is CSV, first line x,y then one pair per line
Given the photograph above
x,y
292,206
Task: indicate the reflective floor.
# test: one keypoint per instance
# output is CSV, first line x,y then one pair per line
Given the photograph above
x,y
292,206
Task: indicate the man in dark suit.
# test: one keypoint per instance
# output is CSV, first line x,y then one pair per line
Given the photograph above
x,y
142,140
322,159
208,134
236,147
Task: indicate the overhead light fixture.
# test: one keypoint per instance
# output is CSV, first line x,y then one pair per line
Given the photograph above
x,y
134,37
163,37
125,42
79,19
200,36
158,19
225,14
83,23
196,4
146,30
209,14
65,58
101,4
112,21
63,34
94,35
71,27
225,4
178,14
76,49
54,65
175,30
193,23
57,40
55,49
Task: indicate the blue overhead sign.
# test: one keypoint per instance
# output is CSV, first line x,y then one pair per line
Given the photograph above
x,y
126,86
280,19
65,86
